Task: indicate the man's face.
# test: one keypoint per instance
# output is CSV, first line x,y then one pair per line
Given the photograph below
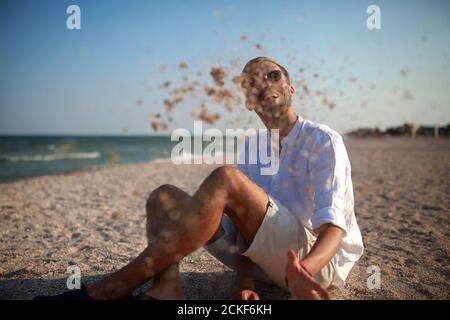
x,y
267,90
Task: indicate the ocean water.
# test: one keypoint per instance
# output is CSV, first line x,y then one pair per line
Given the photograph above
x,y
28,156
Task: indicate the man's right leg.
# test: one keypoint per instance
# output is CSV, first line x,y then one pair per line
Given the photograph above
x,y
186,225
166,284
160,209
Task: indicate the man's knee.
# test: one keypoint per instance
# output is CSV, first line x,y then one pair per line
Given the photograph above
x,y
225,176
225,172
161,198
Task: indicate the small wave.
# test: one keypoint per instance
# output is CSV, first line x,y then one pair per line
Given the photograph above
x,y
187,157
160,160
51,157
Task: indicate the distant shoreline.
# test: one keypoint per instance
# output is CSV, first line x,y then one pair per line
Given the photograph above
x,y
93,168
401,130
406,129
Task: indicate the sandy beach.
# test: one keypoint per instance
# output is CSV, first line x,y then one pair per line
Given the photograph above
x,y
96,220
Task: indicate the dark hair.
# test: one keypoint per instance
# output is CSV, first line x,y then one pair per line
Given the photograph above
x,y
266,59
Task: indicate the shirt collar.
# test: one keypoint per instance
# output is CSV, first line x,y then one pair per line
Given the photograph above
x,y
293,133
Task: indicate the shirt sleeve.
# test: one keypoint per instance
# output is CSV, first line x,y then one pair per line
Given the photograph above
x,y
329,169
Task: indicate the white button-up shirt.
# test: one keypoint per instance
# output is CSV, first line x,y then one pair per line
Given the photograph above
x,y
314,182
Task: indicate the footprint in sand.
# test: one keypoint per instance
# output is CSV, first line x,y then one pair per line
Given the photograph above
x,y
433,208
411,262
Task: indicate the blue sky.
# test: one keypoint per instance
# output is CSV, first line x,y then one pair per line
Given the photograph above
x,y
60,81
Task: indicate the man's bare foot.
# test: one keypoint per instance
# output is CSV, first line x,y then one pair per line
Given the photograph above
x,y
247,294
108,290
301,284
166,291
166,285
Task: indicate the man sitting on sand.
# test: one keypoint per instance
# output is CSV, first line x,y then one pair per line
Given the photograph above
x,y
296,228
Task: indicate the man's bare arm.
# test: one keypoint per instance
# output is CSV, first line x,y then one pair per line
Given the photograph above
x,y
300,274
327,244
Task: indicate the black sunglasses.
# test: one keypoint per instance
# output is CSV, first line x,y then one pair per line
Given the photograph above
x,y
274,76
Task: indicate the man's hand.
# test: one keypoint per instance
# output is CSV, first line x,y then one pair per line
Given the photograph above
x,y
301,284
247,294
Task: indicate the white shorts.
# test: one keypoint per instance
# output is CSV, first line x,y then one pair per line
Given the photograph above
x,y
279,232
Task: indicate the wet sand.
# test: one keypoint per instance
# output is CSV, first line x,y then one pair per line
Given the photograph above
x,y
96,220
